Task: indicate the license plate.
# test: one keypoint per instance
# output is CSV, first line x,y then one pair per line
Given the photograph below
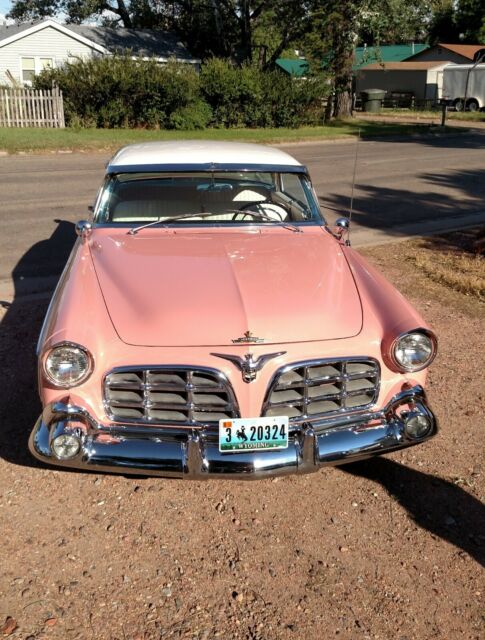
x,y
253,434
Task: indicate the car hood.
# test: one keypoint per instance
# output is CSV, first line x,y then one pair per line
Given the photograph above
x,y
181,288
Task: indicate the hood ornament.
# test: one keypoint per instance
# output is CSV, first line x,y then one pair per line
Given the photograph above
x,y
248,338
248,365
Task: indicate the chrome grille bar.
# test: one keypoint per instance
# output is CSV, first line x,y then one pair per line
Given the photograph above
x,y
192,396
317,388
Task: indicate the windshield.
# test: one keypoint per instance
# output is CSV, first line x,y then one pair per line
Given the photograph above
x,y
138,198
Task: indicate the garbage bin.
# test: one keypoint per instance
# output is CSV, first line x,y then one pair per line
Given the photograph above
x,y
372,100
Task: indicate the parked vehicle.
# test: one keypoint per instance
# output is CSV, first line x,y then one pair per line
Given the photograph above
x,y
455,86
210,324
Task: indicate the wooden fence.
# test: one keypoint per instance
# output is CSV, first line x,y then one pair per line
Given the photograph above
x,y
31,108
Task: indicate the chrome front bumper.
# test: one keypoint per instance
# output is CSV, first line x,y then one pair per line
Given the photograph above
x,y
194,453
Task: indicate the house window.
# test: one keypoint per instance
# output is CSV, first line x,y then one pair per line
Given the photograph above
x,y
45,63
33,66
28,69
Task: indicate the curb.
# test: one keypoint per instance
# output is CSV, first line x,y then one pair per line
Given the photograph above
x,y
424,228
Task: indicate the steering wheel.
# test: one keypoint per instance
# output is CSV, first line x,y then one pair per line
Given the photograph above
x,y
247,209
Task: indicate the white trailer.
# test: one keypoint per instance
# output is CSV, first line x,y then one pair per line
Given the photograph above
x,y
455,86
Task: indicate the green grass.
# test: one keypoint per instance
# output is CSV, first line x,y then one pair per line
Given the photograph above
x,y
45,140
476,116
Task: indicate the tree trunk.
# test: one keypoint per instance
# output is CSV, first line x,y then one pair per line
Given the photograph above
x,y
343,103
246,32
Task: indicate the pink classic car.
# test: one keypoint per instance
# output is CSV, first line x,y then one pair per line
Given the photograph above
x,y
210,324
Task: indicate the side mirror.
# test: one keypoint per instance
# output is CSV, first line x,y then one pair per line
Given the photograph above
x,y
341,226
91,208
342,223
83,229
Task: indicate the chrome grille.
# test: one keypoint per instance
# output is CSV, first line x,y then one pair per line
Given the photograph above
x,y
320,387
169,395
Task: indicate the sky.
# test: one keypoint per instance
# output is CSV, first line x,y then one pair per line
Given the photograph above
x,y
4,7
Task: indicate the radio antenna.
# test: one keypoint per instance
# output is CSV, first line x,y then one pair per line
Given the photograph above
x,y
351,210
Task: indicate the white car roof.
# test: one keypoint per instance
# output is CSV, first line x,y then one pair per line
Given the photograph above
x,y
199,152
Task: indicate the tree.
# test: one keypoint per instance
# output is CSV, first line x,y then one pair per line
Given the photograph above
x,y
470,20
345,23
462,21
75,11
261,30
224,28
394,21
442,25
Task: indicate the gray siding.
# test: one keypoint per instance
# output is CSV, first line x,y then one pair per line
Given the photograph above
x,y
399,81
423,83
46,43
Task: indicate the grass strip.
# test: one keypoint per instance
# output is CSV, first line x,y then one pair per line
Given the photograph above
x,y
454,260
469,116
459,271
45,140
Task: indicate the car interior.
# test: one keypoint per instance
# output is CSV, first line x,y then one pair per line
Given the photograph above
x,y
148,198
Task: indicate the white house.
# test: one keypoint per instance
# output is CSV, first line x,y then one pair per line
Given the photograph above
x,y
26,49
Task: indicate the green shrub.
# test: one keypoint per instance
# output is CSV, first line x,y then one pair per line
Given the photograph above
x,y
194,116
247,96
119,91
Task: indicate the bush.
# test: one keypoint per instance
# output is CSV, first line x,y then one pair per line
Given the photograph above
x,y
194,116
119,91
247,96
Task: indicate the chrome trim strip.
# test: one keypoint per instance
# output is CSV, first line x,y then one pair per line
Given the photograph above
x,y
190,453
205,167
189,388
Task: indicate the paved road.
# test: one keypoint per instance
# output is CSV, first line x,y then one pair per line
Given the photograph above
x,y
401,188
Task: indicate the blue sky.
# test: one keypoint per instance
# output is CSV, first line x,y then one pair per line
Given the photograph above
x,y
4,6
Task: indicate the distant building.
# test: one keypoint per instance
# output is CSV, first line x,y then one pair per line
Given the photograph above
x,y
27,49
412,80
363,56
297,68
386,53
457,53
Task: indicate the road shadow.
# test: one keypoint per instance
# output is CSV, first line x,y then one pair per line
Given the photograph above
x,y
425,134
19,330
381,208
441,507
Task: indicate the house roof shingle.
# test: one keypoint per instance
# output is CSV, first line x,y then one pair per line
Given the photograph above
x,y
386,53
296,68
465,50
141,42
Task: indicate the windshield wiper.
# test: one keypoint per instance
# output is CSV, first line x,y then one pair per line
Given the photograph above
x,y
265,216
208,214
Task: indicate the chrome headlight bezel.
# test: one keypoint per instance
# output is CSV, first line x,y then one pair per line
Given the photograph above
x,y
75,347
397,365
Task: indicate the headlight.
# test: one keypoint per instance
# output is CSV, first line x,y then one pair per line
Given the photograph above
x,y
414,351
67,365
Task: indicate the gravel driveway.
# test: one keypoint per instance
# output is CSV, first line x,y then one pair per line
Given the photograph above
x,y
388,548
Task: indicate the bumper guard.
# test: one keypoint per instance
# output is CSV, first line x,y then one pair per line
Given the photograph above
x,y
194,453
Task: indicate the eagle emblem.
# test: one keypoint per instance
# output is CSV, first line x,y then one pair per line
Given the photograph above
x,y
248,338
248,365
